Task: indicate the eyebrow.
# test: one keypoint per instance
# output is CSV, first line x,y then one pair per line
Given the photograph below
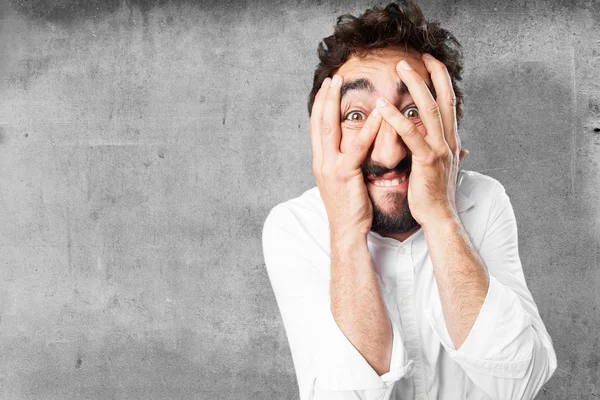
x,y
365,85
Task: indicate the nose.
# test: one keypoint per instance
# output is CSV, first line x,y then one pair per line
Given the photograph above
x,y
388,148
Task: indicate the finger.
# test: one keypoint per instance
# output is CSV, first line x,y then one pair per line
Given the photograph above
x,y
362,142
315,120
407,130
446,99
330,120
429,110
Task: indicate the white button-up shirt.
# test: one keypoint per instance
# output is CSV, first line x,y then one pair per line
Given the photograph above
x,y
507,355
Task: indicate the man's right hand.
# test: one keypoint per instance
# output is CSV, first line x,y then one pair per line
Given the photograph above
x,y
339,175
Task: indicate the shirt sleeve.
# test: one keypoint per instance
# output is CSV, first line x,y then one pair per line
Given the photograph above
x,y
327,365
508,353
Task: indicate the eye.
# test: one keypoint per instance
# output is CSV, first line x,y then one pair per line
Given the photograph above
x,y
355,116
411,112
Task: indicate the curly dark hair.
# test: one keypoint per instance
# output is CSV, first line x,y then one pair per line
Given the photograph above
x,y
399,25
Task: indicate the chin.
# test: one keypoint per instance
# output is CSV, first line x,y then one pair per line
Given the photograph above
x,y
390,203
391,215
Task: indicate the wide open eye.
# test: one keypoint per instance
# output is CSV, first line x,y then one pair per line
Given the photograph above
x,y
355,116
411,112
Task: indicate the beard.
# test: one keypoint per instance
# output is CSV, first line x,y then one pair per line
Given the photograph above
x,y
399,220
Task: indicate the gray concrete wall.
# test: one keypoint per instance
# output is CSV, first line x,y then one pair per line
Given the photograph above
x,y
142,144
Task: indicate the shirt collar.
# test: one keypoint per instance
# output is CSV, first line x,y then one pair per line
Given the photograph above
x,y
463,201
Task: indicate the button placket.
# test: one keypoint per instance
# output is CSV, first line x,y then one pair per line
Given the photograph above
x,y
404,293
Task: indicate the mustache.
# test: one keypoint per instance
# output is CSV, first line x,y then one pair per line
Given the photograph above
x,y
377,170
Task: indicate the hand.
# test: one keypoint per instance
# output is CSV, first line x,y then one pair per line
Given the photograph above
x,y
339,175
434,143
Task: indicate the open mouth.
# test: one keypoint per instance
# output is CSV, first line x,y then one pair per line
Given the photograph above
x,y
390,179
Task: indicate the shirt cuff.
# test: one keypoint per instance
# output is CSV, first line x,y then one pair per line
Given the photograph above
x,y
344,368
498,342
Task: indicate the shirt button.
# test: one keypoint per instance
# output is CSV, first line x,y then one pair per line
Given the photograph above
x,y
404,301
401,250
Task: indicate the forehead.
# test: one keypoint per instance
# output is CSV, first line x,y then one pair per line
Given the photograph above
x,y
379,67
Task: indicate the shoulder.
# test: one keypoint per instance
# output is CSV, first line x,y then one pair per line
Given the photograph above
x,y
306,208
304,215
481,191
478,186
480,199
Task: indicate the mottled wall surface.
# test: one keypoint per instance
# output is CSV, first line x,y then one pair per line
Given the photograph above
x,y
142,144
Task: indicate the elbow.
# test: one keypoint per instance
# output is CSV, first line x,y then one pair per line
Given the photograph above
x,y
520,378
548,363
541,368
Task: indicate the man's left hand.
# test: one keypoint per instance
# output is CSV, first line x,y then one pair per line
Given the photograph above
x,y
434,143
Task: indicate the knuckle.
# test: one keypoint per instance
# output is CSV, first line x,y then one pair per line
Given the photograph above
x,y
433,109
419,125
326,128
339,174
358,145
327,173
334,173
316,170
445,154
452,99
431,159
412,131
440,66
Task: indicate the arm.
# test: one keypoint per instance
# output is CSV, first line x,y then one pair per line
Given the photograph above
x,y
326,363
506,351
461,275
502,343
311,283
357,303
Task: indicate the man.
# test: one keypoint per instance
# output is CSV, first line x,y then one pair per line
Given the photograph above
x,y
398,276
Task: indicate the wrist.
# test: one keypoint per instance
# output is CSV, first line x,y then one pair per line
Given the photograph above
x,y
349,253
347,240
441,221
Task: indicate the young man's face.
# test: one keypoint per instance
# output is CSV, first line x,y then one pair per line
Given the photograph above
x,y
366,79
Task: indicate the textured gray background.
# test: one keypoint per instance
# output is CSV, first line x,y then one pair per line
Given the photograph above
x,y
142,144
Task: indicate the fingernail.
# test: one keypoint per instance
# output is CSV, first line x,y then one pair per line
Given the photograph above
x,y
324,83
427,56
381,102
375,113
336,80
405,65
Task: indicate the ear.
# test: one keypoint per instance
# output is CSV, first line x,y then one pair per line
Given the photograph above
x,y
464,153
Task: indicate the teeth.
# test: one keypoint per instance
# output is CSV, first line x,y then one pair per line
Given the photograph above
x,y
393,182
